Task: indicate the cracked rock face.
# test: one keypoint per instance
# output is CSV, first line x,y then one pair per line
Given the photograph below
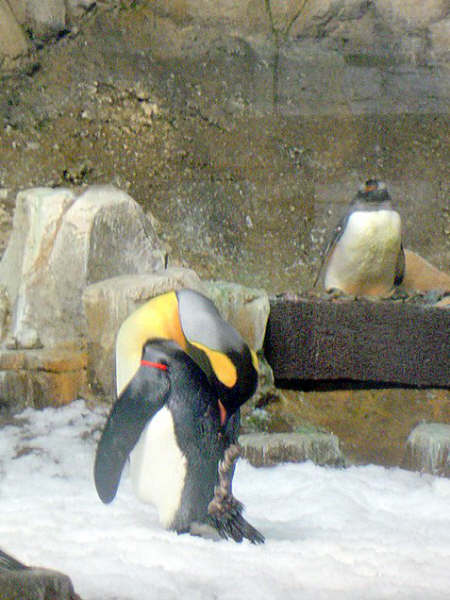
x,y
60,243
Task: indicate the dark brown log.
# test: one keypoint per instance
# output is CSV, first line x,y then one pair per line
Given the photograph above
x,y
384,342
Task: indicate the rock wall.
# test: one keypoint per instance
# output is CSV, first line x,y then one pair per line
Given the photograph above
x,y
77,264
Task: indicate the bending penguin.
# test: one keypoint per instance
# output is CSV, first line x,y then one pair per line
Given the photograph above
x,y
365,254
182,373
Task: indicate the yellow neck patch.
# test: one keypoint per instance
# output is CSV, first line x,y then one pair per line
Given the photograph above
x,y
157,318
223,368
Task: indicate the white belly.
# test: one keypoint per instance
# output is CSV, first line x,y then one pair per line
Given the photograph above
x,y
158,467
365,257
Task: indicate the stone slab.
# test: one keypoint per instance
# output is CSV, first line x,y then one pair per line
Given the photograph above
x,y
267,449
39,378
310,338
428,449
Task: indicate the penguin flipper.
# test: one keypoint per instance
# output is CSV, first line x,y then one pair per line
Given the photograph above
x,y
330,245
400,267
136,406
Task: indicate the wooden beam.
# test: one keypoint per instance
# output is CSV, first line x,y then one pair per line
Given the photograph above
x,y
388,342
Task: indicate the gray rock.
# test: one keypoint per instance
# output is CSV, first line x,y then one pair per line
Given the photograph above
x,y
411,15
25,266
77,7
61,243
247,309
108,303
12,38
45,18
428,449
35,584
19,8
440,35
266,449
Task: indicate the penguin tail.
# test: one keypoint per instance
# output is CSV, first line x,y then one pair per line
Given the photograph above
x,y
230,523
224,510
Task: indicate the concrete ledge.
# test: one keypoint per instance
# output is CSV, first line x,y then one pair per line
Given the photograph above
x,y
267,449
39,378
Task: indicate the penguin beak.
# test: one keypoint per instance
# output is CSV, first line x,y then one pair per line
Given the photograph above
x,y
223,413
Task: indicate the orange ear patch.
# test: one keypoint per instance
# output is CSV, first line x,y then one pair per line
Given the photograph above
x,y
223,368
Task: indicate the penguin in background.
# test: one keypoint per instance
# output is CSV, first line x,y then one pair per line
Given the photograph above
x,y
365,256
182,373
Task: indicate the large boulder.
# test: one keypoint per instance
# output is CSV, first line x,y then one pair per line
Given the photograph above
x,y
12,38
428,449
108,303
422,276
36,584
247,309
45,18
61,243
264,449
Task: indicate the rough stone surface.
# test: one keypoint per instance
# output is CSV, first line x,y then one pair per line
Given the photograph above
x,y
19,8
422,276
247,309
407,15
35,584
108,303
428,449
12,38
267,449
46,18
60,244
39,378
24,269
372,424
376,342
440,35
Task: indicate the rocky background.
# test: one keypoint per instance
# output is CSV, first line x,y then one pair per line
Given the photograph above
x,y
242,130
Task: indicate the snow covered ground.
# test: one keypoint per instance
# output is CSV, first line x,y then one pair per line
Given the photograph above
x,y
360,533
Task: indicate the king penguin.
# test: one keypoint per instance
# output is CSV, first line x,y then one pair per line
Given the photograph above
x,y
364,256
182,372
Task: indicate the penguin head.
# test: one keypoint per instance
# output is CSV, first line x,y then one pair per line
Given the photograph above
x,y
373,192
219,350
194,325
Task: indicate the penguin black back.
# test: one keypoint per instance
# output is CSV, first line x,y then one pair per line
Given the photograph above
x,y
168,421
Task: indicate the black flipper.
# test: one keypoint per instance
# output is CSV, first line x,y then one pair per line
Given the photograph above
x,y
8,563
140,401
330,245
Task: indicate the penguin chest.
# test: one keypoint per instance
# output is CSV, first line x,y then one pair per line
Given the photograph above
x,y
365,257
158,467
